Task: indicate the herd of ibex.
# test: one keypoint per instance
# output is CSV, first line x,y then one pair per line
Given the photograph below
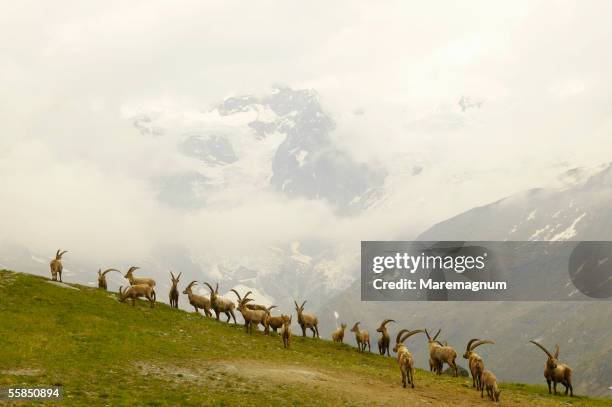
x,y
256,314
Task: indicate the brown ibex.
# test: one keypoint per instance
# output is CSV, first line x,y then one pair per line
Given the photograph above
x,y
102,277
440,354
138,280
362,337
136,291
197,301
306,320
174,293
275,322
489,383
338,334
252,318
404,357
385,340
221,305
475,362
556,372
56,265
286,333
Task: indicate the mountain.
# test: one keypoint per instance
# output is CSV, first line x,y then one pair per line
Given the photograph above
x,y
575,209
279,141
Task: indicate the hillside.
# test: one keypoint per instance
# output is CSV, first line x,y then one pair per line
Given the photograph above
x,y
577,210
107,353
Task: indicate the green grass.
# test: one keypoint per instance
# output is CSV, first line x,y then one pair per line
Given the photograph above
x,y
107,353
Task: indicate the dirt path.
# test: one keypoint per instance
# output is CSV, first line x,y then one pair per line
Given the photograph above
x,y
354,388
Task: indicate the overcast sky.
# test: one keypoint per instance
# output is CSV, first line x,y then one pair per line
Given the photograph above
x,y
72,164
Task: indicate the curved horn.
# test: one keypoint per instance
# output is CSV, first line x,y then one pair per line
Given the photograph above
x,y
217,288
109,270
271,306
409,334
57,253
427,333
386,321
469,344
62,253
132,269
543,348
556,351
179,275
247,294
438,333
399,334
190,284
482,342
210,287
302,306
172,275
295,302
120,292
238,295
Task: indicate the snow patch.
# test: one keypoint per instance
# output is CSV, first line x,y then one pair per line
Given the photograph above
x,y
570,231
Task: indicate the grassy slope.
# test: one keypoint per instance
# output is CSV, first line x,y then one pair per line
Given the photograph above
x,y
107,353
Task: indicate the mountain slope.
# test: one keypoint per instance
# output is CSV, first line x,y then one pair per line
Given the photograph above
x,y
106,353
576,210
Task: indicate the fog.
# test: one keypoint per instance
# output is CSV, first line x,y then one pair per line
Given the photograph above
x,y
75,173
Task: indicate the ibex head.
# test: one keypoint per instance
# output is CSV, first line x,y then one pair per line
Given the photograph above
x,y
402,336
122,295
473,344
552,361
242,301
343,326
131,271
188,288
432,340
176,279
355,327
383,326
299,308
214,292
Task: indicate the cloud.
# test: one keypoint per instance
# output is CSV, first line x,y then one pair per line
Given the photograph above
x,y
76,173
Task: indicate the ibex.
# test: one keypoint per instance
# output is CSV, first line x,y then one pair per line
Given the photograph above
x,y
338,334
475,362
197,301
556,372
138,280
362,338
137,291
275,322
385,340
174,293
489,382
56,265
221,305
404,357
102,277
306,320
440,354
252,317
286,333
